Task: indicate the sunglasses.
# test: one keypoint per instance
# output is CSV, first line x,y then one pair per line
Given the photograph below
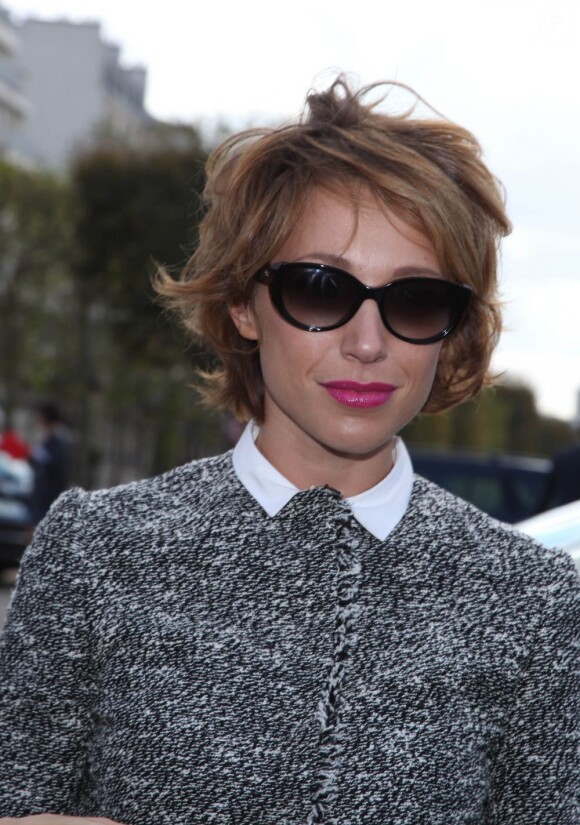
x,y
316,297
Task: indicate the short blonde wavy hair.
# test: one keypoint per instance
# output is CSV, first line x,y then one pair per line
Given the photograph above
x,y
429,171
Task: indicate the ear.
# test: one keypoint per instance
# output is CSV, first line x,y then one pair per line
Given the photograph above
x,y
244,320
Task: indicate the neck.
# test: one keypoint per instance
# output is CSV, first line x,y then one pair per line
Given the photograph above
x,y
317,466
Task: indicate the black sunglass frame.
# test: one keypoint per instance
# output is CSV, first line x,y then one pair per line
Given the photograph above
x,y
272,275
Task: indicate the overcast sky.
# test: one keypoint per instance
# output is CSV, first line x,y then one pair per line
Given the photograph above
x,y
509,70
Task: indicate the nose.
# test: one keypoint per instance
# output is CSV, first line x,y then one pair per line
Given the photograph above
x,y
365,337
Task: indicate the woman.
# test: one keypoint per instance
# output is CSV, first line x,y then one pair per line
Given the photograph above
x,y
300,631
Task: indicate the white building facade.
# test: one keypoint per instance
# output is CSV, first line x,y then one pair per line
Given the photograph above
x,y
77,90
14,107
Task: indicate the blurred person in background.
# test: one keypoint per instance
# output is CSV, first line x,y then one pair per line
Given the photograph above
x,y
14,445
301,630
51,461
16,482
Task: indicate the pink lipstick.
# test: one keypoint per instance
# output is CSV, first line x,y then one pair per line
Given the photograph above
x,y
353,394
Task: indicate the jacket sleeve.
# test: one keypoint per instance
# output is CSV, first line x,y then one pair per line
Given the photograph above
x,y
46,683
536,773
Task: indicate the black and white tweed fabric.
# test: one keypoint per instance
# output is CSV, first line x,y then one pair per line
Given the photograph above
x,y
175,656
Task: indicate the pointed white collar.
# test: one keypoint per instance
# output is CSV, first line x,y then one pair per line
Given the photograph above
x,y
378,510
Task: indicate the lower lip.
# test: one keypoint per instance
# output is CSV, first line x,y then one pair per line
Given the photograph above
x,y
363,399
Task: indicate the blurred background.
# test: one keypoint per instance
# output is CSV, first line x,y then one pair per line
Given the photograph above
x,y
107,114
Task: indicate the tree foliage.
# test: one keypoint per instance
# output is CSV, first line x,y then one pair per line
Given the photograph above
x,y
134,211
35,287
504,419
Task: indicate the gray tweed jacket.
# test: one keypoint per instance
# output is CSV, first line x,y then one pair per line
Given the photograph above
x,y
174,656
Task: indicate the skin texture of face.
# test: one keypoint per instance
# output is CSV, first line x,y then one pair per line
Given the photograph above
x,y
308,435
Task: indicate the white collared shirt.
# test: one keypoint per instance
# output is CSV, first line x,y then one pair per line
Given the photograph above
x,y
379,509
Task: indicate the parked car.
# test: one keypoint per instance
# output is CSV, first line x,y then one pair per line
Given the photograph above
x,y
509,488
559,527
16,479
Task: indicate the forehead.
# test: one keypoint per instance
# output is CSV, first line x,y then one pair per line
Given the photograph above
x,y
354,229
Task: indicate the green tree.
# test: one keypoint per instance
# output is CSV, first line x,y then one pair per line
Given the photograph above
x,y
134,210
35,287
504,419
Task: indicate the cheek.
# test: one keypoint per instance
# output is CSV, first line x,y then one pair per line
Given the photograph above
x,y
284,354
293,360
421,366
433,360
432,369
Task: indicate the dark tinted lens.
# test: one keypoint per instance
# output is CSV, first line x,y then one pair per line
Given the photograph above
x,y
316,297
419,307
